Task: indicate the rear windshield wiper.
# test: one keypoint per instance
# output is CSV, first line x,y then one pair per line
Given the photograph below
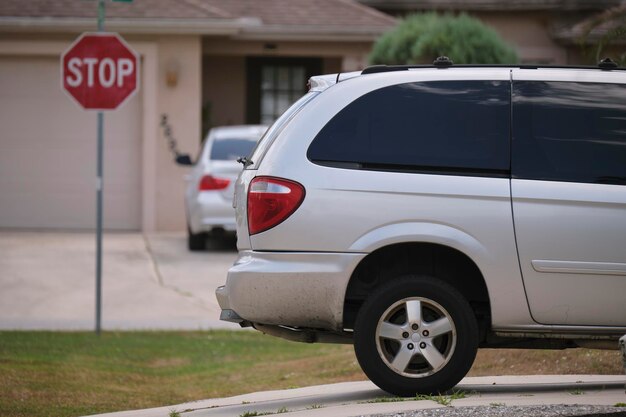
x,y
245,161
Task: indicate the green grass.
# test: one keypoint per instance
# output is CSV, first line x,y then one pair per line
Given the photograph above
x,y
440,398
444,400
77,373
69,374
267,413
386,400
253,414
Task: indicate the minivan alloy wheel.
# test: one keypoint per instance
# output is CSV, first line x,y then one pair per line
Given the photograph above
x,y
415,337
415,334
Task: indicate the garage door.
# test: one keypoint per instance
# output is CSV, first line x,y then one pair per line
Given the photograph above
x,y
48,154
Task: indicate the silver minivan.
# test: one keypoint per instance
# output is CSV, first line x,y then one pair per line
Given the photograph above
x,y
423,212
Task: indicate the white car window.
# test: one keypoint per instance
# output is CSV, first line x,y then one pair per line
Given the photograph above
x,y
229,149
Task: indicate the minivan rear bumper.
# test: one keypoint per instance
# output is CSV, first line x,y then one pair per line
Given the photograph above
x,y
300,289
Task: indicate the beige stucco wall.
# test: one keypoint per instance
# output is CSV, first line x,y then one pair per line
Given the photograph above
x,y
224,87
162,183
529,33
353,55
181,103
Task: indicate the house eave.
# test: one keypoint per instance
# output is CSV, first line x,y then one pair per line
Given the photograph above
x,y
134,26
311,33
490,5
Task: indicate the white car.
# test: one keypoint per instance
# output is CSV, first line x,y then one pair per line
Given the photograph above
x,y
210,185
423,212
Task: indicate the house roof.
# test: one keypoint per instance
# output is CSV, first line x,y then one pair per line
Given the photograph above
x,y
490,5
594,28
302,19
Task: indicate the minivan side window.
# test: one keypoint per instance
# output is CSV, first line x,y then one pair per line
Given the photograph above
x,y
443,127
567,131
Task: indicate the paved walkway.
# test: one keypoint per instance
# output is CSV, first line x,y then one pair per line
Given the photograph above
x,y
364,398
47,282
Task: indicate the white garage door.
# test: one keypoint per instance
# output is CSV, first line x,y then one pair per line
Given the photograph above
x,y
48,154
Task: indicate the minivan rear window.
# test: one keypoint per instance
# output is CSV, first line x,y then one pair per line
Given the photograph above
x,y
272,133
456,127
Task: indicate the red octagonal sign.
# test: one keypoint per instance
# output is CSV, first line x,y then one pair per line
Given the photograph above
x,y
100,71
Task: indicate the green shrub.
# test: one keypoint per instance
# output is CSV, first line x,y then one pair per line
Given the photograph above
x,y
420,38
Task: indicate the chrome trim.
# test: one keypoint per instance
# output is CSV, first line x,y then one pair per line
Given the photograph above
x,y
574,332
577,267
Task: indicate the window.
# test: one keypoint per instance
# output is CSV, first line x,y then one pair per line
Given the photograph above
x,y
566,131
280,87
229,149
445,127
274,84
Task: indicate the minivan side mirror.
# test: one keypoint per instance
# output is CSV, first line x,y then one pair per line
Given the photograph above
x,y
183,159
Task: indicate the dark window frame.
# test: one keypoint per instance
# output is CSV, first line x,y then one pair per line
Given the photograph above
x,y
254,68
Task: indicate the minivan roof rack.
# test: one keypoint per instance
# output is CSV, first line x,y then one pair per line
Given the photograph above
x,y
607,64
444,62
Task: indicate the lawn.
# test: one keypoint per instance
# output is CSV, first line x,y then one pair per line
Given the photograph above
x,y
78,373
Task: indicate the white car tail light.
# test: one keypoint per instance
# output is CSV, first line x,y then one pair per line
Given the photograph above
x,y
210,183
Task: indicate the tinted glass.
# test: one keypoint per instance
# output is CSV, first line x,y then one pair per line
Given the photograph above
x,y
569,132
230,149
274,130
441,126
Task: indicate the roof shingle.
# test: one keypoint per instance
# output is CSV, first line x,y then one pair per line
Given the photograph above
x,y
339,13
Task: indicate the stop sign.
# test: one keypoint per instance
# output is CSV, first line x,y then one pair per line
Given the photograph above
x,y
100,71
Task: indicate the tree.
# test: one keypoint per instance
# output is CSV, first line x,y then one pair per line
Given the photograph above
x,y
420,38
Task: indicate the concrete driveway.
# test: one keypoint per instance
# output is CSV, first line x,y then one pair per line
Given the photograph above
x,y
47,281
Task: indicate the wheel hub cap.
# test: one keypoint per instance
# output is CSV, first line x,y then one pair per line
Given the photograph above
x,y
429,345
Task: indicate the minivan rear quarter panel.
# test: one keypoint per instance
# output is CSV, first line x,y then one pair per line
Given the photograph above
x,y
370,207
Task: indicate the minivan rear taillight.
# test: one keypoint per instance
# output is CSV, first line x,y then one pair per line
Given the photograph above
x,y
209,183
270,201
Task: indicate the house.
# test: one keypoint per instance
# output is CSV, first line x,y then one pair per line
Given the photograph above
x,y
544,32
215,62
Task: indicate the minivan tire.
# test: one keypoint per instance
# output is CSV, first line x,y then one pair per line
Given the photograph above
x,y
428,354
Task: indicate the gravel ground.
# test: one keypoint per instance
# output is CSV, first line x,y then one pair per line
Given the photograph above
x,y
515,411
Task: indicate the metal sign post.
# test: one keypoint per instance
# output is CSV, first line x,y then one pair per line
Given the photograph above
x,y
99,187
99,71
